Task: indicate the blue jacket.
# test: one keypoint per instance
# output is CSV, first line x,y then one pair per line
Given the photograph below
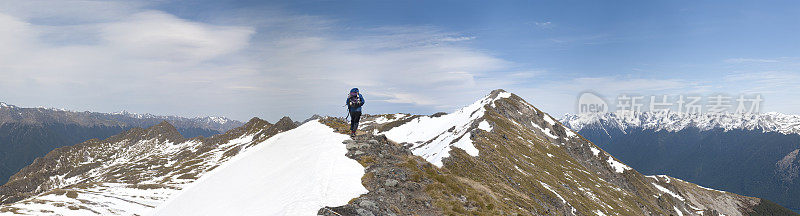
x,y
356,109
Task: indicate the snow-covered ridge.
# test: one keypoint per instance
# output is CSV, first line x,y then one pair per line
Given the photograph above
x,y
433,137
292,173
673,121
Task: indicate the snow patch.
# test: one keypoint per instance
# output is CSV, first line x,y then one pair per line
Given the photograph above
x,y
677,210
619,167
504,95
484,125
667,191
599,213
710,189
570,133
549,120
384,119
466,144
551,190
520,170
545,131
594,150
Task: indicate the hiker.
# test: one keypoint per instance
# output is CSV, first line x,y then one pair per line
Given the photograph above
x,y
354,103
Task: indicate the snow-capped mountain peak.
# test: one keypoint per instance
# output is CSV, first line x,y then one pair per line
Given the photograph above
x,y
218,119
674,121
5,105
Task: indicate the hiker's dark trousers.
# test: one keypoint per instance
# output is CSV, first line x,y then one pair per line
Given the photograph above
x,y
355,116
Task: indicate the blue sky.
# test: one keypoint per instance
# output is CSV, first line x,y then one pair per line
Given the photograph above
x,y
269,59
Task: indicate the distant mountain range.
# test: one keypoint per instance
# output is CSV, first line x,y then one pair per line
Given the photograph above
x,y
497,156
749,154
28,133
673,121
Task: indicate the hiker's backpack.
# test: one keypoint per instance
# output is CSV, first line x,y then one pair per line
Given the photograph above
x,y
353,100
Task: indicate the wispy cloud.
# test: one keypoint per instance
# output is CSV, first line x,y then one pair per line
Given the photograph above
x,y
545,24
765,81
750,60
456,39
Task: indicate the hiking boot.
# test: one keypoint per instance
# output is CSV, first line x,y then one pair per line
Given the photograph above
x,y
352,133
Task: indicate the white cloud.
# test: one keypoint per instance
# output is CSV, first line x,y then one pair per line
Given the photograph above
x,y
157,35
393,68
139,60
147,60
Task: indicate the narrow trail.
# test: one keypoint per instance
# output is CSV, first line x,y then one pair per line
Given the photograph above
x,y
393,187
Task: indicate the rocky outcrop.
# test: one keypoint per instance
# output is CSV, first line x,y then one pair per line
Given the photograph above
x,y
789,166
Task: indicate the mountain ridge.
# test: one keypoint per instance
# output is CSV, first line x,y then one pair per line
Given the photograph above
x,y
154,162
40,115
28,133
536,137
498,156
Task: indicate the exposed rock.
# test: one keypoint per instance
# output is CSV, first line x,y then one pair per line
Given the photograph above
x,y
354,145
313,117
391,183
362,212
368,204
